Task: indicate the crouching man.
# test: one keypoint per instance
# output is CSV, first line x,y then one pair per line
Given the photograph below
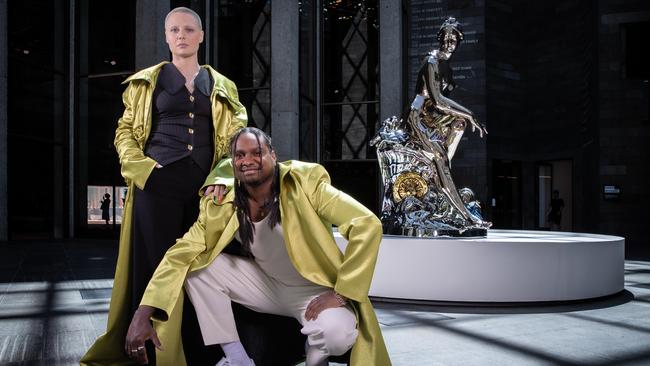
x,y
268,245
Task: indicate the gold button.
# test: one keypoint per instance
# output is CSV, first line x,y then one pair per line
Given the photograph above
x,y
191,115
192,98
190,131
190,147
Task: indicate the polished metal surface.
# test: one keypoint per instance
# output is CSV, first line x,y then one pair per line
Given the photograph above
x,y
415,153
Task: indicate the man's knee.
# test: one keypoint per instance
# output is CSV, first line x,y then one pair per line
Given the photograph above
x,y
334,330
338,341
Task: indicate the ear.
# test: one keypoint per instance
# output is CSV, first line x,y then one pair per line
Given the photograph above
x,y
167,38
202,35
273,156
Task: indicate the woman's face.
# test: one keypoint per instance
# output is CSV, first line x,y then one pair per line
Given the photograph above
x,y
449,42
183,34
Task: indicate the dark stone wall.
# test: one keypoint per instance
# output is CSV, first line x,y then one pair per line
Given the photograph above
x,y
561,97
541,96
623,123
558,88
507,121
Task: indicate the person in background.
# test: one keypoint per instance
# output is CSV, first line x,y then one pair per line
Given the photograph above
x,y
554,215
105,207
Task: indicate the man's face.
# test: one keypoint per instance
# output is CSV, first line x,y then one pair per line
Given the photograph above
x,y
253,163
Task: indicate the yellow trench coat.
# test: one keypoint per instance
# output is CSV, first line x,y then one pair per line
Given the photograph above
x,y
309,206
228,116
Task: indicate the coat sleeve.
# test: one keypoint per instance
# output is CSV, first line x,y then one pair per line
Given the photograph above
x,y
135,166
239,116
166,284
221,174
358,225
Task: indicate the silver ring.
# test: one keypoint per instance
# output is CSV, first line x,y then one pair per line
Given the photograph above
x,y
134,351
140,348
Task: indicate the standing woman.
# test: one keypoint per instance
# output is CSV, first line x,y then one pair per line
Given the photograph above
x,y
177,122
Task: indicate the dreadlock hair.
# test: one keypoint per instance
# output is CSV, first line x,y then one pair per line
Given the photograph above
x,y
246,227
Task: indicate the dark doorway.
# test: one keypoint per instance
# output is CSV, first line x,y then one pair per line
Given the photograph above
x,y
506,201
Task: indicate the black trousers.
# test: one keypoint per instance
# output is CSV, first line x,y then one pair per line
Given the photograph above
x,y
162,213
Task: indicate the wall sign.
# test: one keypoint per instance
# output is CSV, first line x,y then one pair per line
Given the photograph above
x,y
611,192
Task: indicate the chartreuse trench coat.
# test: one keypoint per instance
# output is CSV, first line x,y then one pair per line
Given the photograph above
x,y
309,206
134,127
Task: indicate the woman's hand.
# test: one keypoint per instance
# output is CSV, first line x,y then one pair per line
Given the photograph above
x,y
215,192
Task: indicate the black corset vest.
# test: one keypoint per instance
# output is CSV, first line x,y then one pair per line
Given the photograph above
x,y
181,122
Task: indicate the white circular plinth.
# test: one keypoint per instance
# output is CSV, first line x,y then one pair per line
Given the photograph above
x,y
507,266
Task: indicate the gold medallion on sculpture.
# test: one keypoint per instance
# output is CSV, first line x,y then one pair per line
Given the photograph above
x,y
409,184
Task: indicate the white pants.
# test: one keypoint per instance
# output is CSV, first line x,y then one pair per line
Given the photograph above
x,y
232,278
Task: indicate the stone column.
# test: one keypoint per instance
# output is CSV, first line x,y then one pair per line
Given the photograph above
x,y
150,46
391,96
285,97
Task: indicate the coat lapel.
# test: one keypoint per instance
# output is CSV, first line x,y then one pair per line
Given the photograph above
x,y
310,244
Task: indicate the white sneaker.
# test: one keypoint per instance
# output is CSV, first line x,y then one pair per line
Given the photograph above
x,y
224,362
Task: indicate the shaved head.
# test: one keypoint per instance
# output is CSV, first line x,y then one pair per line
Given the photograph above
x,y
182,9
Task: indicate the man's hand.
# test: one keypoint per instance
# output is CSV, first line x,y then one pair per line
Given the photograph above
x,y
324,301
216,192
140,330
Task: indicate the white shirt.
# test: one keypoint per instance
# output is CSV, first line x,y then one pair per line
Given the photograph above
x,y
271,255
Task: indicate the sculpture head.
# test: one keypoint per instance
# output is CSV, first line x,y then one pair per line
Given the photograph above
x,y
450,35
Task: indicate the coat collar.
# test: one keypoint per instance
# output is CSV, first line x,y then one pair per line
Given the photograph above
x,y
222,85
171,79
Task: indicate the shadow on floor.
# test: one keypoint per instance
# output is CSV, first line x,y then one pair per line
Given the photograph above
x,y
503,307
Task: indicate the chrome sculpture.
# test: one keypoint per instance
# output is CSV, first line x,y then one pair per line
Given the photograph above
x,y
415,152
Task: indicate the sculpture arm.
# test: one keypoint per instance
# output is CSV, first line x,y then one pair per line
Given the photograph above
x,y
447,106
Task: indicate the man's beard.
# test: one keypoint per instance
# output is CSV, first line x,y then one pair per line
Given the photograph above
x,y
256,180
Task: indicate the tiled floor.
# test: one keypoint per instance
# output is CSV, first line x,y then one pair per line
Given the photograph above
x,y
54,298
